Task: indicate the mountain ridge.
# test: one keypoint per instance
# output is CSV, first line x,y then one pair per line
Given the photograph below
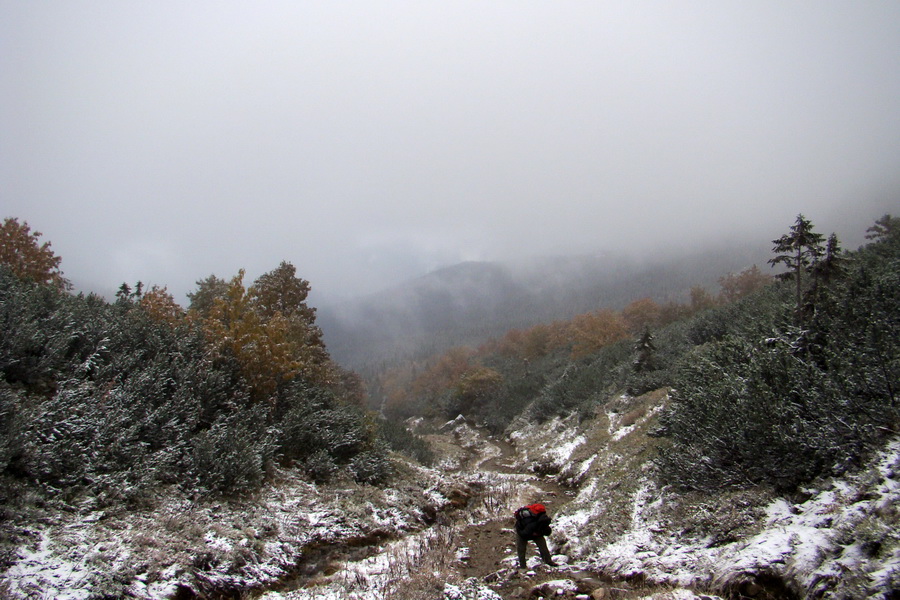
x,y
474,301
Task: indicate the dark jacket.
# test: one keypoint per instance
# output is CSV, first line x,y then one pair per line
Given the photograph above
x,y
530,525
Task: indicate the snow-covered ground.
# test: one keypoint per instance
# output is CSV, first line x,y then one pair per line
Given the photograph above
x,y
362,538
837,538
150,553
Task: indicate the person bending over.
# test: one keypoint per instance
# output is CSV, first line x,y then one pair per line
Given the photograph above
x,y
533,523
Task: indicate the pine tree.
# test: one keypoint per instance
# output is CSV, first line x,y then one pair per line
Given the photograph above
x,y
645,351
281,291
281,295
208,291
884,227
799,251
831,266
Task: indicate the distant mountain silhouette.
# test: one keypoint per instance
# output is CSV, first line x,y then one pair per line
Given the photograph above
x,y
471,302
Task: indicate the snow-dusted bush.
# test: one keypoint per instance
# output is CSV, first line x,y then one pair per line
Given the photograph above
x,y
322,433
371,466
11,418
804,399
319,466
105,397
231,456
585,382
753,315
400,439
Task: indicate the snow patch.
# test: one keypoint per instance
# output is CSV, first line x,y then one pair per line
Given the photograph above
x,y
802,542
48,572
563,453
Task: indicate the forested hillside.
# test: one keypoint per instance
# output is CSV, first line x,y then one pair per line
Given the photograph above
x,y
114,398
219,451
802,369
469,303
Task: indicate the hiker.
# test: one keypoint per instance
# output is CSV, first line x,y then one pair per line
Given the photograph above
x,y
533,523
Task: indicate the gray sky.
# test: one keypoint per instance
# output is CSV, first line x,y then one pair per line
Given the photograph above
x,y
369,141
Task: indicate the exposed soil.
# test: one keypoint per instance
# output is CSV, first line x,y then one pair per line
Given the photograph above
x,y
490,542
491,546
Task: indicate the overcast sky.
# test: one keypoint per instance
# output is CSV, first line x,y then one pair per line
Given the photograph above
x,y
366,142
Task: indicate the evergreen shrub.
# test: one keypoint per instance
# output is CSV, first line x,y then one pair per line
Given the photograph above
x,y
782,404
319,466
371,466
585,383
231,457
11,426
104,397
400,439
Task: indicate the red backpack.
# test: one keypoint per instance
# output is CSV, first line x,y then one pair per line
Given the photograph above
x,y
527,513
532,510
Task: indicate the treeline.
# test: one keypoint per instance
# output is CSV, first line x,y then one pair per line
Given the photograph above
x,y
772,381
119,397
802,380
495,381
469,303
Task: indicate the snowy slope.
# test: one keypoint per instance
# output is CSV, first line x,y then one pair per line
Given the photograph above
x,y
838,538
224,545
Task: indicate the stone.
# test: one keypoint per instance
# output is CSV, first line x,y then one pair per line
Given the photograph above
x,y
588,584
555,588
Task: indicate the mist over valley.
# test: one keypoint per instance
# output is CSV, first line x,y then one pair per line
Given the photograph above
x,y
469,303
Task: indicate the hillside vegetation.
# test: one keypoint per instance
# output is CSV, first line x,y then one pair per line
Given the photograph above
x,y
773,382
469,303
147,451
113,399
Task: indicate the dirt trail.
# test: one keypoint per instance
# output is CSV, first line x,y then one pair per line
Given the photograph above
x,y
491,545
491,542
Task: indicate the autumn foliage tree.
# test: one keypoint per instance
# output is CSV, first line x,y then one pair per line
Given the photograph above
x,y
159,305
419,388
593,331
737,285
641,314
542,339
22,252
701,299
262,349
474,388
443,373
534,342
267,328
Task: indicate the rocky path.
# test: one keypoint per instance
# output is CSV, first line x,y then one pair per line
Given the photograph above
x,y
475,546
487,548
490,545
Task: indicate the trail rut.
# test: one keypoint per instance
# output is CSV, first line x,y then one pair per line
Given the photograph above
x,y
488,543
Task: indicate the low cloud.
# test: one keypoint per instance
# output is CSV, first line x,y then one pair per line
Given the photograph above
x,y
367,143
